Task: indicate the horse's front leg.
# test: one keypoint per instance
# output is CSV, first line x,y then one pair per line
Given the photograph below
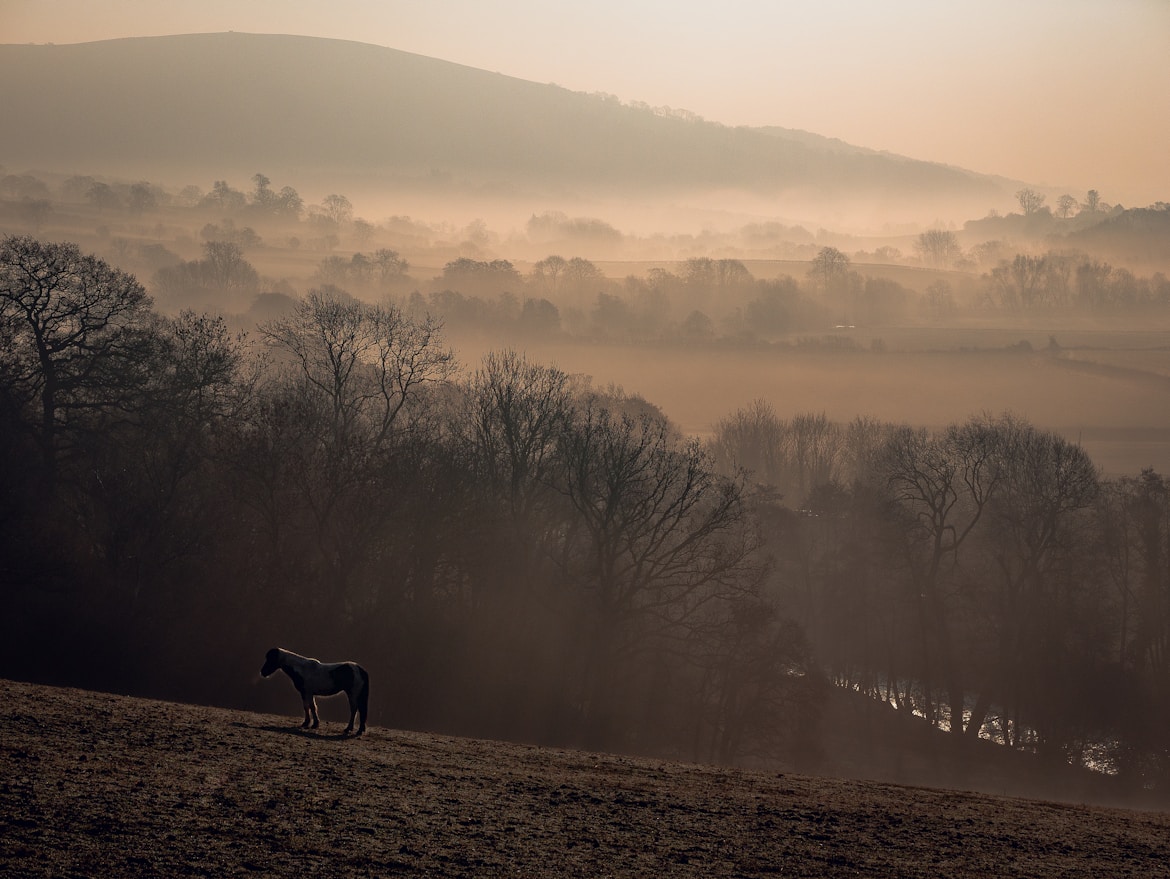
x,y
313,710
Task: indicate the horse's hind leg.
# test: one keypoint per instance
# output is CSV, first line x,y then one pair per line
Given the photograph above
x,y
352,712
364,702
356,706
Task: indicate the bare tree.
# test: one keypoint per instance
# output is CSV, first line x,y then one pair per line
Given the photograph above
x,y
653,538
365,361
352,375
224,197
814,452
102,196
142,197
149,500
753,439
392,268
581,275
547,273
1134,520
1030,201
943,485
716,275
289,203
337,208
515,414
1021,283
829,270
77,336
480,277
1047,488
263,198
938,247
519,410
1066,206
226,268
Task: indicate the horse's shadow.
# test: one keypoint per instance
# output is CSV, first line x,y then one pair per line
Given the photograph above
x,y
299,732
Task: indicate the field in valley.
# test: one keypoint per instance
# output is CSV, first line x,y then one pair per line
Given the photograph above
x,y
1109,391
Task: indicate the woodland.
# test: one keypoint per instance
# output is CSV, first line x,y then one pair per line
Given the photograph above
x,y
232,420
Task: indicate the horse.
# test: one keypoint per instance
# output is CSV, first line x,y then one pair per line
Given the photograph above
x,y
313,678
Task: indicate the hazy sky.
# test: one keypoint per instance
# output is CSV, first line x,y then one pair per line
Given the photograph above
x,y
1070,93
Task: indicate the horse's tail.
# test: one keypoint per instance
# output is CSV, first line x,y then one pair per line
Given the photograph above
x,y
364,695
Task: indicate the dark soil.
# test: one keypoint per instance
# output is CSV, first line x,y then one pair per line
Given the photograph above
x,y
101,785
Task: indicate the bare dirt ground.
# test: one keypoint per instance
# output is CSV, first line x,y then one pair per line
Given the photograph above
x,y
101,785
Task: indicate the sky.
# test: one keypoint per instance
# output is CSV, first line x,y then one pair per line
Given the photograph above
x,y
1072,94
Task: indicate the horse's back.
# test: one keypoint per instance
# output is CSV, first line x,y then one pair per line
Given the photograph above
x,y
337,677
344,675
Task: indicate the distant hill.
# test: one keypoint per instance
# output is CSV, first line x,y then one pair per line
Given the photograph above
x,y
196,107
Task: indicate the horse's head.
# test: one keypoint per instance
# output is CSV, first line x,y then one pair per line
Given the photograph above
x,y
271,662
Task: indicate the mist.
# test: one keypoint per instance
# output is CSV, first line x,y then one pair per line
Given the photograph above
x,y
699,323
365,394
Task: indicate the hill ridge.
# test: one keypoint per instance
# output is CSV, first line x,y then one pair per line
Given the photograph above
x,y
215,104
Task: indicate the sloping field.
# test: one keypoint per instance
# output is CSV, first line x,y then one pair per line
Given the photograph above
x,y
100,785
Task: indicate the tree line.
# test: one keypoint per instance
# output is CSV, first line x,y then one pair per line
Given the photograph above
x,y
513,552
1079,234
720,301
705,300
517,553
984,576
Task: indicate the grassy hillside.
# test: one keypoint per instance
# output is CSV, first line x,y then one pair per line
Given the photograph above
x,y
96,784
217,104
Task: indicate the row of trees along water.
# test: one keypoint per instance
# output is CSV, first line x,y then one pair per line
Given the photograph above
x,y
516,553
